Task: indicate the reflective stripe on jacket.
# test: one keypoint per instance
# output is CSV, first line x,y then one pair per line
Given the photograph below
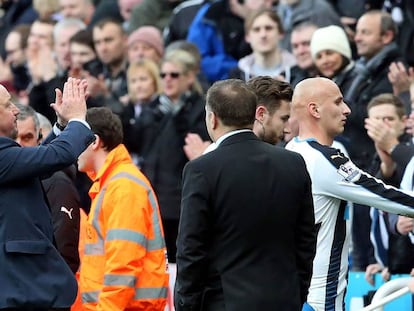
x,y
124,263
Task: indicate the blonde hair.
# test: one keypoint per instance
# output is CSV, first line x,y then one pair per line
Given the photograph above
x,y
153,70
45,8
187,62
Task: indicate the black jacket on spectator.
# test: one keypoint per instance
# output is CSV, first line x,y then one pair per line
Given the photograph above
x,y
64,205
160,139
371,80
180,20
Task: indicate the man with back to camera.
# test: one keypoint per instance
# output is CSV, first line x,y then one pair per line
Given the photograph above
x,y
271,115
246,216
32,273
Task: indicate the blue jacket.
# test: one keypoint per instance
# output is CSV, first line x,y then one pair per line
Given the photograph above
x,y
219,36
32,273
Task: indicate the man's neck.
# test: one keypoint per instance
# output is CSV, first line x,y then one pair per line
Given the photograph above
x,y
319,136
268,60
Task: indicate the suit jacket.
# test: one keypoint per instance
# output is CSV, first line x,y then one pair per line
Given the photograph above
x,y
247,235
32,273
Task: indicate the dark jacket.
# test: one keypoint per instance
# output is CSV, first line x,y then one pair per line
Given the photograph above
x,y
219,36
32,272
180,20
371,80
160,137
15,13
400,250
43,94
64,206
345,77
247,232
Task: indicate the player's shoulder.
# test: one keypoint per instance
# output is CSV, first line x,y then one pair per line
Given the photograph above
x,y
335,156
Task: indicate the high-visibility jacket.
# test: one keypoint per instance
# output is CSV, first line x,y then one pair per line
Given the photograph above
x,y
124,265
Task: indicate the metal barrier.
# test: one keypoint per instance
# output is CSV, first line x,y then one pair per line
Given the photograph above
x,y
389,291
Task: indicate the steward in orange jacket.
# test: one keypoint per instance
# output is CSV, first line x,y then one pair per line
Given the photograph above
x,y
124,264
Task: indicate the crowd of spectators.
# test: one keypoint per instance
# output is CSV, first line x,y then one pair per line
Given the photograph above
x,y
151,62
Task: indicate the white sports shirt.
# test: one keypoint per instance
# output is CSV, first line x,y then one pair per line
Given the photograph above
x,y
335,180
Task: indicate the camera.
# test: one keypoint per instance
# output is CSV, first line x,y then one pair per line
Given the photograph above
x,y
94,67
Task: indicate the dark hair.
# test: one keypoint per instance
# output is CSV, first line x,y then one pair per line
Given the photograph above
x,y
233,102
270,92
83,37
390,99
251,17
106,125
23,30
109,20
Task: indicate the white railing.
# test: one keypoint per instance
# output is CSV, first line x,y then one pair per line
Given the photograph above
x,y
388,292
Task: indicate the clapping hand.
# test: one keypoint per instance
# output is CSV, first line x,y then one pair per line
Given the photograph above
x,y
71,104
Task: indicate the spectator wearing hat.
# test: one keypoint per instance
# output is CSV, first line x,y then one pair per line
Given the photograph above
x,y
332,56
145,42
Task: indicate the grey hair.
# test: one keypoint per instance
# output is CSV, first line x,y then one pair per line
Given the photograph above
x,y
44,123
67,23
28,112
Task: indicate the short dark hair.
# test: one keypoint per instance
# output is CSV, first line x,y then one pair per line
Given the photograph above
x,y
83,37
233,101
270,92
109,20
391,99
106,125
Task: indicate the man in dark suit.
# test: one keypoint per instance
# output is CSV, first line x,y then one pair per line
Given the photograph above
x,y
33,276
247,237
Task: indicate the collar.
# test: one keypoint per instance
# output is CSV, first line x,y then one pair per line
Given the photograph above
x,y
221,138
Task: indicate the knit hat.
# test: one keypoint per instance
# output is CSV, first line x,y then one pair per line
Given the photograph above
x,y
149,35
330,38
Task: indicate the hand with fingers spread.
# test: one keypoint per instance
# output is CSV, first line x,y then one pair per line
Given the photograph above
x,y
400,77
385,138
382,133
71,104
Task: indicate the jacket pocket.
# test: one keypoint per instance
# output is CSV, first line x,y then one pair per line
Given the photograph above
x,y
27,246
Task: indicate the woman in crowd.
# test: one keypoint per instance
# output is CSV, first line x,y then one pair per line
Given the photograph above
x,y
160,131
332,55
144,86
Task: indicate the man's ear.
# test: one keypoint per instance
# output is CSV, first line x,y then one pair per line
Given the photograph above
x,y
387,37
314,110
260,112
214,121
96,143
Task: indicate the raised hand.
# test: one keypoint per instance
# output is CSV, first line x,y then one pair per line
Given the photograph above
x,y
400,77
71,104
